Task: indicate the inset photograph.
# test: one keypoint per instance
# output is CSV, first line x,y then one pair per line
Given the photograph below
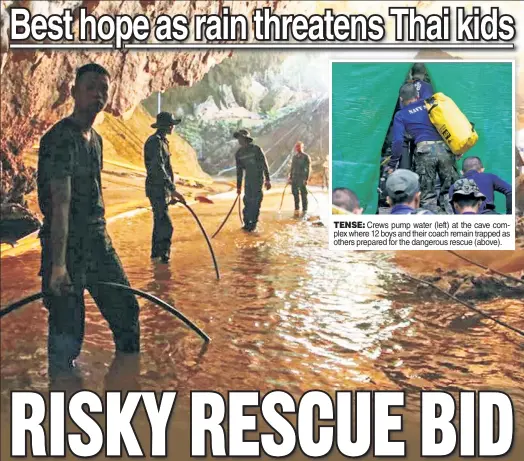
x,y
422,137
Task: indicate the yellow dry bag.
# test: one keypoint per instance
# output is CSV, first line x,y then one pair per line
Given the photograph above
x,y
456,130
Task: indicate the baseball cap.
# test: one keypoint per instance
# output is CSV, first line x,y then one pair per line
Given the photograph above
x,y
402,182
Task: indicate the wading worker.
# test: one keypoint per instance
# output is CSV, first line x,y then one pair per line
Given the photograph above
x,y
77,252
299,176
418,77
251,159
160,186
432,155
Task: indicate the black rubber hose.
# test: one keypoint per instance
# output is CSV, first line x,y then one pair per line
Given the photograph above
x,y
240,211
20,303
225,220
167,307
206,237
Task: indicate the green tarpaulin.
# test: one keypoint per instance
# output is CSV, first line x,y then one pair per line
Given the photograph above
x,y
364,96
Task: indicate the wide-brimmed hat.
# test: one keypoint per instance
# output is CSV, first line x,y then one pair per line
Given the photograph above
x,y
243,133
164,120
466,187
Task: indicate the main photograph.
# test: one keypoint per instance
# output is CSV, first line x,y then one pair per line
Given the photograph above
x,y
422,137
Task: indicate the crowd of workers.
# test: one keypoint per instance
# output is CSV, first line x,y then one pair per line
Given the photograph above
x,y
77,252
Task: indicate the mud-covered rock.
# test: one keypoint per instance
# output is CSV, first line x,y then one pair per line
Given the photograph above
x,y
16,222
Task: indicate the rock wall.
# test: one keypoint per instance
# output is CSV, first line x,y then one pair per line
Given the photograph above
x,y
36,84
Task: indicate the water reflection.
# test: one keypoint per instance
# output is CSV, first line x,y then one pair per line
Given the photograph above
x,y
286,314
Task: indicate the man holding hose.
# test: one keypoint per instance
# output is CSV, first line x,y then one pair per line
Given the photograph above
x,y
77,252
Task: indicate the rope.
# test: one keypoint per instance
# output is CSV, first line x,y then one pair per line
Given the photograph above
x,y
469,306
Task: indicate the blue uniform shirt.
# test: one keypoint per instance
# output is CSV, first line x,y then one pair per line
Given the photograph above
x,y
424,90
402,209
488,183
412,119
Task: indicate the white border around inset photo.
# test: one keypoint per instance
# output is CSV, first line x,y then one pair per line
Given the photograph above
x,y
506,243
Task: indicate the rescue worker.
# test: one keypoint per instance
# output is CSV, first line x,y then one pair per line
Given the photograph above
x,y
299,176
432,155
251,159
346,199
487,183
467,197
77,252
403,193
418,78
160,184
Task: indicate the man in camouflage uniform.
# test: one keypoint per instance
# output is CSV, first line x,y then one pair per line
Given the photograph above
x,y
160,184
251,159
432,155
76,250
299,176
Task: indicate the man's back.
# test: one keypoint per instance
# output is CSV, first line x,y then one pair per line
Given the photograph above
x,y
414,119
424,89
488,184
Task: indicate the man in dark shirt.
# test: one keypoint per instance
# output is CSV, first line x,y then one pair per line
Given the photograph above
x,y
418,78
251,159
488,183
403,191
76,249
299,176
467,197
432,155
160,184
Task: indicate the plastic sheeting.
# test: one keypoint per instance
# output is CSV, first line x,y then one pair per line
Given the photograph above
x,y
364,96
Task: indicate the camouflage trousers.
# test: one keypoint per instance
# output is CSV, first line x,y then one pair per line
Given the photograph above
x,y
432,160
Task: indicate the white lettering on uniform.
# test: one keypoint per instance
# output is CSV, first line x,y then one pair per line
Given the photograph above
x,y
416,109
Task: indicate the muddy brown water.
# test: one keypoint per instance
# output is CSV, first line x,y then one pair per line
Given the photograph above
x,y
287,314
